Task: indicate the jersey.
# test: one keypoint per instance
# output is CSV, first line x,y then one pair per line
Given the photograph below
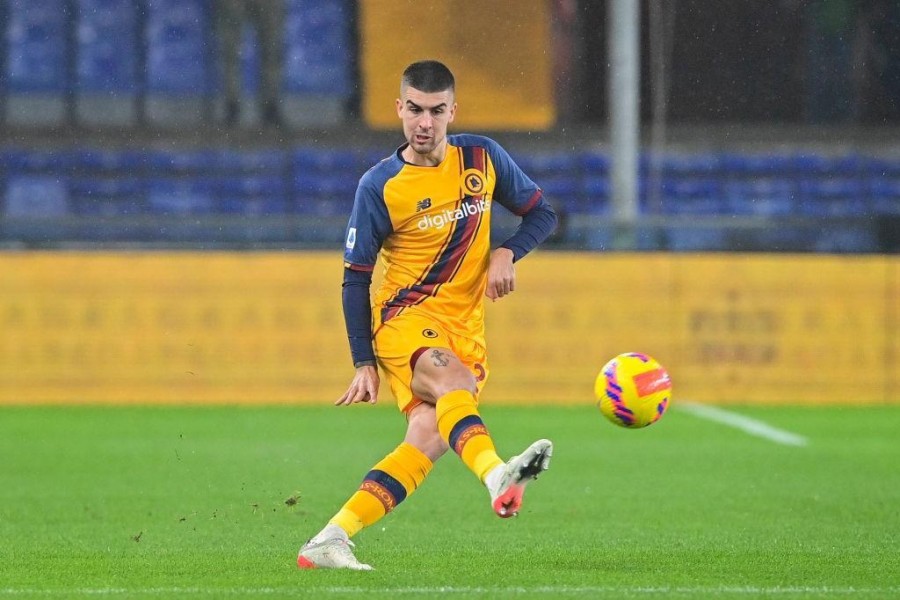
x,y
431,227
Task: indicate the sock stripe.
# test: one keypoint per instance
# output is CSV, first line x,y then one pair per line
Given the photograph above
x,y
464,430
385,488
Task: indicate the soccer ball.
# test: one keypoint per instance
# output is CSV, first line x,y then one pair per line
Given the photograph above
x,y
633,390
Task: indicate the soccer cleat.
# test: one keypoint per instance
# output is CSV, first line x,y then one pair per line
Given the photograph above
x,y
330,554
518,472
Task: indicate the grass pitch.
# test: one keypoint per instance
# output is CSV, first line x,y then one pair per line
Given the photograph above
x,y
214,503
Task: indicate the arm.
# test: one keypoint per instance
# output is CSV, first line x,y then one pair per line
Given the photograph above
x,y
537,224
358,320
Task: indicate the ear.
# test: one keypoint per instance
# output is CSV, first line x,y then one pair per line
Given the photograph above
x,y
399,103
452,113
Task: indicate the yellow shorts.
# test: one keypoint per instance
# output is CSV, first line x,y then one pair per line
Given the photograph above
x,y
405,336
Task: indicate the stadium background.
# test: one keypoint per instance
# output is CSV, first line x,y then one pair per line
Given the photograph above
x,y
150,254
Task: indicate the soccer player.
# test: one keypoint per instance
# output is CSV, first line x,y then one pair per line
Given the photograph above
x,y
426,209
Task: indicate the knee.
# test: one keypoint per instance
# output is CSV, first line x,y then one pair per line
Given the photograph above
x,y
422,432
431,388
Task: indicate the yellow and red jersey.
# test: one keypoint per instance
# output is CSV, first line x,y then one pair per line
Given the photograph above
x,y
431,225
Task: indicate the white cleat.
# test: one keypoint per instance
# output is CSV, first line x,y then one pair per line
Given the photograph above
x,y
330,554
518,472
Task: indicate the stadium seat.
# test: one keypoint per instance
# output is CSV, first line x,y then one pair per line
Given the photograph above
x,y
324,160
594,163
538,165
180,196
251,161
335,186
107,196
688,165
254,207
178,68
107,50
36,196
14,160
318,62
36,66
884,193
94,161
690,196
763,197
186,162
834,197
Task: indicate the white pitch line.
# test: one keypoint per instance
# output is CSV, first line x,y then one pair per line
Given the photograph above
x,y
745,424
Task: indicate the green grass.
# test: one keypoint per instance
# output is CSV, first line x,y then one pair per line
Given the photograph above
x,y
190,502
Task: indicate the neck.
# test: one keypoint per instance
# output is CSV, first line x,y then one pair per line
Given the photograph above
x,y
431,159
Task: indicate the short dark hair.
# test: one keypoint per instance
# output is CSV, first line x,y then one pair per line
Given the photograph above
x,y
428,76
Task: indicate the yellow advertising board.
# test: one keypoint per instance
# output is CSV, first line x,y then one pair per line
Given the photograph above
x,y
502,59
171,327
185,327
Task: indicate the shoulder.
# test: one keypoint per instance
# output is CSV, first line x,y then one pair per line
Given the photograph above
x,y
381,172
471,139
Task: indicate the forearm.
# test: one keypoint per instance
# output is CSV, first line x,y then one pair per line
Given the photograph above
x,y
536,226
358,315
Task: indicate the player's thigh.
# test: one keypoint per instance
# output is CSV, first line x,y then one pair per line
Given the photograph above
x,y
397,343
437,371
415,340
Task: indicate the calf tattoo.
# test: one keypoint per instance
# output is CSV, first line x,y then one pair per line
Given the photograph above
x,y
440,358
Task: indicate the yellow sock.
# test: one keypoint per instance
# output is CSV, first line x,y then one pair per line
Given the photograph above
x,y
388,484
461,427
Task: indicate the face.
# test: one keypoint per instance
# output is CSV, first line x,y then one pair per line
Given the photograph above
x,y
425,117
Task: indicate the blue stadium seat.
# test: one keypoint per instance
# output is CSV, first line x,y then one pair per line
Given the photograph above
x,y
761,197
877,166
884,194
690,165
107,196
249,186
179,74
107,46
849,165
835,197
324,160
691,196
172,162
126,162
254,207
318,62
759,165
538,165
251,161
559,188
14,160
180,195
37,46
36,196
179,47
594,163
334,186
318,48
35,61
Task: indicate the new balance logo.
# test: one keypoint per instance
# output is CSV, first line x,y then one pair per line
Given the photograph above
x,y
423,204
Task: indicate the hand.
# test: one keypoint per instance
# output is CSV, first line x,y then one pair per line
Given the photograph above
x,y
363,388
501,276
